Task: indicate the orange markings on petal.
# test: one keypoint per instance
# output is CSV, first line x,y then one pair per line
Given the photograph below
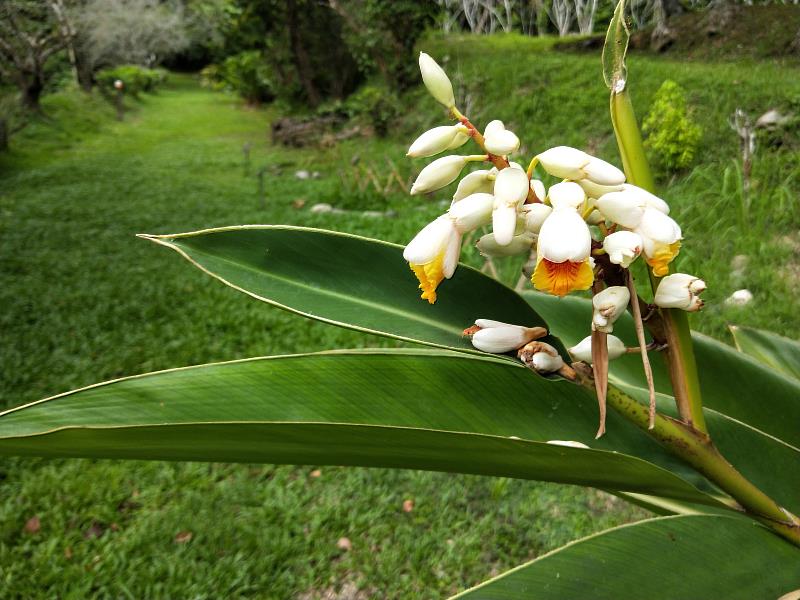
x,y
561,278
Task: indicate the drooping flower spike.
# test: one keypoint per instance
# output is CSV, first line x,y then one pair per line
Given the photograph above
x,y
585,231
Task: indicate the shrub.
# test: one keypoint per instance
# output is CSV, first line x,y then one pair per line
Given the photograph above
x,y
247,73
136,79
375,103
672,137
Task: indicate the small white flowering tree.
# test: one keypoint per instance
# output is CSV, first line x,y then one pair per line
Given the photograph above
x,y
495,390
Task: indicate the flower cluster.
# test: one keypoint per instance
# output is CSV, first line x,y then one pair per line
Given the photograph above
x,y
583,232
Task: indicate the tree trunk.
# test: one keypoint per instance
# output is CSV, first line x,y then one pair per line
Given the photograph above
x,y
3,134
299,54
31,91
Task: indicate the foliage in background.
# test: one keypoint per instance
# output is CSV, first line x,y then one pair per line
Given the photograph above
x,y
136,79
29,41
247,74
671,135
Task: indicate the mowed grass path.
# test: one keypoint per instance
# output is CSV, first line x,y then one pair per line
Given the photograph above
x,y
83,300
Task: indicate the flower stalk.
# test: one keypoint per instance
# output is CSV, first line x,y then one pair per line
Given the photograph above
x,y
680,351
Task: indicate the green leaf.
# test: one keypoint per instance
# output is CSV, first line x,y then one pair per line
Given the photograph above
x,y
696,556
770,349
349,281
752,412
415,409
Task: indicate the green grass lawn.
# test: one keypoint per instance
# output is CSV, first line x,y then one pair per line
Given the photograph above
x,y
84,300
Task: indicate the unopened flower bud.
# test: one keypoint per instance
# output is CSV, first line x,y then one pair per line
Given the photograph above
x,y
479,181
566,195
472,212
437,140
520,244
661,237
499,140
498,337
608,306
535,216
583,349
547,362
681,291
623,247
564,162
439,173
603,173
436,81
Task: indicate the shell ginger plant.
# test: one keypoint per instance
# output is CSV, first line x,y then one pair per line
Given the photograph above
x,y
495,391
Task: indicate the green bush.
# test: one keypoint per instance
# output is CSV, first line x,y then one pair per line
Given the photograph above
x,y
247,73
377,104
136,79
672,136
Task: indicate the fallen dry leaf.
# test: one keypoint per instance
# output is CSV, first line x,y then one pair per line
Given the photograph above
x,y
315,473
33,525
68,553
408,505
95,530
344,544
182,537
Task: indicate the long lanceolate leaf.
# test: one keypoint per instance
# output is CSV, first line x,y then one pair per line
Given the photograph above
x,y
413,409
686,557
349,281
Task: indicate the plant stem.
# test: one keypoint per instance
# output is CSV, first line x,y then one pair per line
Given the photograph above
x,y
680,351
697,449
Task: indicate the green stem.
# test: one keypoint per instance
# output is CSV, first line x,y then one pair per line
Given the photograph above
x,y
680,351
697,449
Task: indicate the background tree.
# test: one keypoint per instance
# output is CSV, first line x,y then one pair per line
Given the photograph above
x,y
29,38
142,32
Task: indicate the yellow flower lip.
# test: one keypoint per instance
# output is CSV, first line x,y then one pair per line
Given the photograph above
x,y
430,275
562,278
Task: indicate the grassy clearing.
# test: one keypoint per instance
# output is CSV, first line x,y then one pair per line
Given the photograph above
x,y
83,300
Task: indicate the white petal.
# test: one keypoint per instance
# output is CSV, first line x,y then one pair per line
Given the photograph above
x,y
603,173
459,140
504,221
493,127
433,141
623,247
676,291
595,190
538,189
431,241
438,174
583,349
451,255
566,195
545,363
622,207
607,306
535,216
477,181
502,142
501,339
564,162
511,186
650,200
564,236
472,212
436,80
658,227
520,244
